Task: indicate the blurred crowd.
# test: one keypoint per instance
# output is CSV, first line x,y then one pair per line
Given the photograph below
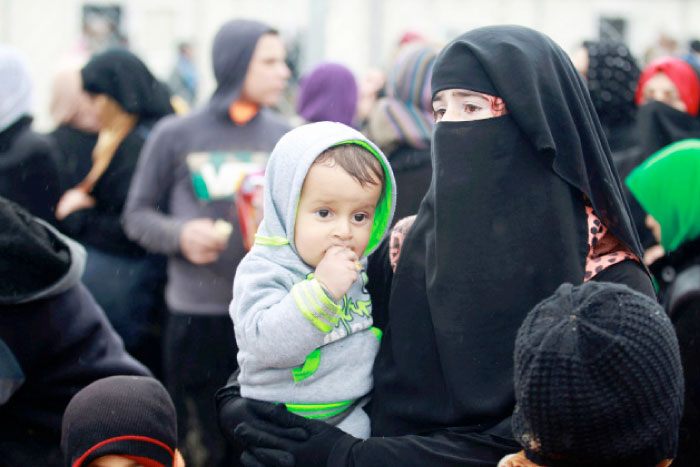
x,y
146,200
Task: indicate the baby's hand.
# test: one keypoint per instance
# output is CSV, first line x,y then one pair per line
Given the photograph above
x,y
337,271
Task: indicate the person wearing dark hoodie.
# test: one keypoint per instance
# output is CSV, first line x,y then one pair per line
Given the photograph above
x,y
54,338
185,181
524,197
29,174
301,310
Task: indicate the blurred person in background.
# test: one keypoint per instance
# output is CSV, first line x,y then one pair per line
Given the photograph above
x,y
54,338
401,124
126,280
28,172
76,126
668,97
667,185
327,93
183,80
611,73
185,182
370,88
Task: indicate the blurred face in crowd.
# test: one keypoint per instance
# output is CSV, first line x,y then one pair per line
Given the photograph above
x,y
105,109
267,73
463,105
661,88
581,60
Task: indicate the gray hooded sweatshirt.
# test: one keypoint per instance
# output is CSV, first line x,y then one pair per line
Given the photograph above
x,y
188,169
296,345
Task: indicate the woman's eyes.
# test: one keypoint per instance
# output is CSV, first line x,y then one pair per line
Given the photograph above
x,y
471,108
467,108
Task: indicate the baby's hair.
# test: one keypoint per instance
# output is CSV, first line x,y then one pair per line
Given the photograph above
x,y
357,161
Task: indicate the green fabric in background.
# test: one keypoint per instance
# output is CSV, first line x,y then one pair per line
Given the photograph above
x,y
667,185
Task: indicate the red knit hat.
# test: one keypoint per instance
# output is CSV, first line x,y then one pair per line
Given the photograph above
x,y
681,74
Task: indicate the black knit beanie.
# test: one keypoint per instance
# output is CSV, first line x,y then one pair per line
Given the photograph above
x,y
598,379
129,416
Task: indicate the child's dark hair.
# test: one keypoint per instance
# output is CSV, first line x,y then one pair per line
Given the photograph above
x,y
357,161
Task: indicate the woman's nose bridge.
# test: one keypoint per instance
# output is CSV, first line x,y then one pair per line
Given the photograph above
x,y
451,113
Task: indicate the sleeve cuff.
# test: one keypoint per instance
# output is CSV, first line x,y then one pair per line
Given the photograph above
x,y
314,303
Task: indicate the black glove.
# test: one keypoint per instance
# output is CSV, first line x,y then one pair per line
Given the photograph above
x,y
233,410
265,446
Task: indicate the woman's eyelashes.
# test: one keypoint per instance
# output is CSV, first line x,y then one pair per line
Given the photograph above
x,y
466,111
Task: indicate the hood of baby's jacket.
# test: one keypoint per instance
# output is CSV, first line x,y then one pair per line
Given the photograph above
x,y
287,168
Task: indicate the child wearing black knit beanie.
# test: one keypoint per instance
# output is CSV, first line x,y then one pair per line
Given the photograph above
x,y
121,420
598,381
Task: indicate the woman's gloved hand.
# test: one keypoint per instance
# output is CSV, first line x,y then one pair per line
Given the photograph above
x,y
273,436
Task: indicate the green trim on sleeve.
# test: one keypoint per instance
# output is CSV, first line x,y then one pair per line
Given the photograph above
x,y
308,314
323,296
313,302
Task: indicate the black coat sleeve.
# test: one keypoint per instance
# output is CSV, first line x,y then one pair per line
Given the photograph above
x,y
447,447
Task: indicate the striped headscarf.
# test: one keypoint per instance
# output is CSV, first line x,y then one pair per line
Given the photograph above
x,y
405,115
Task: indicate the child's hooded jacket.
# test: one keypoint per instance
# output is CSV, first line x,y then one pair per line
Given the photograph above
x,y
295,343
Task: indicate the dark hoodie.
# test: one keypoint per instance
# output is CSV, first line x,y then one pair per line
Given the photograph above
x,y
54,338
165,194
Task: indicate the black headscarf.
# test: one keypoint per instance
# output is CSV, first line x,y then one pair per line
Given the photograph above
x,y
121,75
612,81
503,224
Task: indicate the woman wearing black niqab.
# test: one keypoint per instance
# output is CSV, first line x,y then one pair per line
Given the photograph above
x,y
523,197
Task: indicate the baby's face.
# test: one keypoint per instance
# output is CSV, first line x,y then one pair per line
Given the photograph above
x,y
661,88
334,210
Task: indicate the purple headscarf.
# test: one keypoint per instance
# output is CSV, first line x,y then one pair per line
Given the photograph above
x,y
328,93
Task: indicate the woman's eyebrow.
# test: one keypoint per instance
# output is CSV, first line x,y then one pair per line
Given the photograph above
x,y
466,93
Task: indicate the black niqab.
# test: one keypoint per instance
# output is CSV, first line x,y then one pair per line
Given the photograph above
x,y
503,224
121,75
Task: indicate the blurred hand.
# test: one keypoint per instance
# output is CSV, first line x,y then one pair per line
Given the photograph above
x,y
71,201
337,271
653,253
200,242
